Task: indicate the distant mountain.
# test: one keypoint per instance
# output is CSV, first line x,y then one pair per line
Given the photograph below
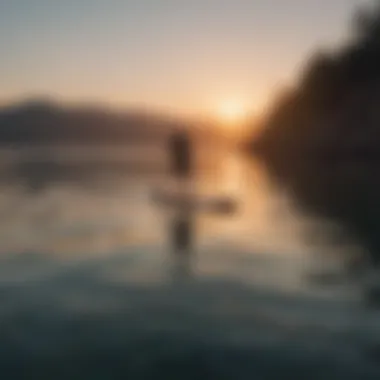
x,y
44,122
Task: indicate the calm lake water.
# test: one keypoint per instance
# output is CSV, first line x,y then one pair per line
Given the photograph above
x,y
78,203
86,270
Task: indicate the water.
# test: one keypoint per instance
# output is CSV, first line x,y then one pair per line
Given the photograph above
x,y
72,211
86,275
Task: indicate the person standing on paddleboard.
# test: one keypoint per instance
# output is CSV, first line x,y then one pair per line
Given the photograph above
x,y
181,157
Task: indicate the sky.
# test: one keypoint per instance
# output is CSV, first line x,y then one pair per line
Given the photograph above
x,y
183,56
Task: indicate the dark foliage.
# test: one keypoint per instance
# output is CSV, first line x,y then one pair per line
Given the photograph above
x,y
333,111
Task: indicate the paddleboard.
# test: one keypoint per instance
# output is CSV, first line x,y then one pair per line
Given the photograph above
x,y
193,202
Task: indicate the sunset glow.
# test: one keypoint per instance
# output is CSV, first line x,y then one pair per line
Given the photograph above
x,y
166,56
233,112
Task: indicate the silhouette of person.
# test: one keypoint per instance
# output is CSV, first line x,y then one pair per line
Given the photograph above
x,y
181,153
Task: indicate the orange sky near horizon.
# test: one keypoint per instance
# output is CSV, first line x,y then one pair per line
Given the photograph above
x,y
218,59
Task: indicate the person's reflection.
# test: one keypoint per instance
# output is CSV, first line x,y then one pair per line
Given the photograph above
x,y
182,243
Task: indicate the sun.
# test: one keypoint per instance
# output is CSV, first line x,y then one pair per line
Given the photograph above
x,y
232,111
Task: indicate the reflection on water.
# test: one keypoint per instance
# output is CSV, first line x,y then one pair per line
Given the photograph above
x,y
346,193
87,284
99,204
